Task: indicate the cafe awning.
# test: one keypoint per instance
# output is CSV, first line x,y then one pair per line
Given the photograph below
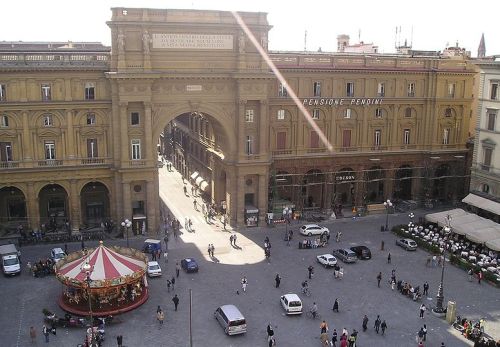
x,y
204,185
194,175
493,244
199,179
440,217
482,203
483,235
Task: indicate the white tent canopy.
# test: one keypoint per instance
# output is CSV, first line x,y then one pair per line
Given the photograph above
x,y
440,217
493,244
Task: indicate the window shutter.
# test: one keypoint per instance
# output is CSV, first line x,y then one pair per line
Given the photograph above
x,y
314,139
281,140
346,138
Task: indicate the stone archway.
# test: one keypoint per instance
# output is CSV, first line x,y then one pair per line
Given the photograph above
x,y
13,211
53,206
375,177
441,187
403,183
313,184
95,206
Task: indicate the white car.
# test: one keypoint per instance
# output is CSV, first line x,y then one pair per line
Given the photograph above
x,y
154,269
407,244
326,260
57,254
313,229
291,303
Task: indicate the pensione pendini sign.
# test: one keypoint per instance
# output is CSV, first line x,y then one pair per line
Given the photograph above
x,y
342,101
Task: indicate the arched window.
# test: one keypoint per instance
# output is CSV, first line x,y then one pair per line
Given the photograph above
x,y
485,188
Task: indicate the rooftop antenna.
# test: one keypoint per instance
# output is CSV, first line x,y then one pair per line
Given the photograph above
x,y
305,40
396,38
359,35
411,37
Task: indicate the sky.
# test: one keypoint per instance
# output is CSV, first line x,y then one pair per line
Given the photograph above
x,y
434,23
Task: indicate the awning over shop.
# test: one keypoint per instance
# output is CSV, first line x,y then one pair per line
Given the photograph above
x,y
493,244
204,185
483,235
440,217
482,203
194,175
251,209
199,179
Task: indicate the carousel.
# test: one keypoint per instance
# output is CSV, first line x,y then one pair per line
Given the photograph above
x,y
103,281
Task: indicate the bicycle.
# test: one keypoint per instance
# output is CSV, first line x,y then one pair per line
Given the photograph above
x,y
309,314
306,291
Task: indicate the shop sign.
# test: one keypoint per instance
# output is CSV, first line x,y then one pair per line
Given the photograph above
x,y
344,178
342,101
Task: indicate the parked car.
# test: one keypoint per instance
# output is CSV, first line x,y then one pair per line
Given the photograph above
x,y
151,246
231,319
291,303
313,229
189,265
154,269
362,252
407,244
346,255
326,260
57,254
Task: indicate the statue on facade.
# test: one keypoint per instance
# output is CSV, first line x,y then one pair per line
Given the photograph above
x,y
121,42
241,42
263,42
145,42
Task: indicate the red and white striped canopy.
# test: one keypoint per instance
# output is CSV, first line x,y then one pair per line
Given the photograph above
x,y
106,264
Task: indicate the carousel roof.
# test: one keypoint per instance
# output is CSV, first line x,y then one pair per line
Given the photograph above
x,y
106,264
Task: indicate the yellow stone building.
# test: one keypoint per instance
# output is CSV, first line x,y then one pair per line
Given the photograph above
x,y
81,124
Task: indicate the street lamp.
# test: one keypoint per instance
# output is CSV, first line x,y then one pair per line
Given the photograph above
x,y
87,269
439,309
411,225
388,205
126,224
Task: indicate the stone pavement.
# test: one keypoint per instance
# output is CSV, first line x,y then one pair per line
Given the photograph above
x,y
24,297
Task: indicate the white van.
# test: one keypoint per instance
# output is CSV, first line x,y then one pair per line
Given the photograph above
x,y
291,303
231,319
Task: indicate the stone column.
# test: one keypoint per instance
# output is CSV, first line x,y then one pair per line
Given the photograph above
x,y
262,197
389,183
148,133
152,208
123,134
240,206
231,192
263,129
75,205
32,207
127,203
27,147
241,128
70,139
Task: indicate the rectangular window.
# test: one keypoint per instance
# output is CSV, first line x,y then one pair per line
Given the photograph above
x,y
136,149
5,151
46,95
406,136
447,112
378,113
494,91
92,148
317,89
315,114
446,136
50,150
408,112
249,145
411,89
347,113
314,139
134,118
451,90
3,95
4,121
349,89
47,120
281,114
89,91
346,138
249,115
90,118
491,121
376,140
282,91
488,152
281,140
381,89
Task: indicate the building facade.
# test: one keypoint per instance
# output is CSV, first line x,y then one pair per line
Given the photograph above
x,y
81,126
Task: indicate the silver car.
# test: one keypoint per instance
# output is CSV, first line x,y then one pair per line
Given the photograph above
x,y
407,244
346,255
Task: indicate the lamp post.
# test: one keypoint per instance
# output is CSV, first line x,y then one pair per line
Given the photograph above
x,y
87,269
388,205
411,225
126,224
439,309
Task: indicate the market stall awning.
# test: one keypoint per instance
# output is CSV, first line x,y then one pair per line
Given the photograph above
x,y
106,264
493,244
194,175
483,235
482,203
199,179
204,185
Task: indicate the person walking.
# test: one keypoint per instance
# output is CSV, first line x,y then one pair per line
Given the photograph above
x,y
365,322
270,330
424,330
168,285
175,300
172,281
334,338
422,311
45,332
389,258
420,335
119,340
234,240
377,324
160,316
195,205
212,249
244,283
277,279
479,276
426,288
231,239
158,309
324,327
177,269
379,278
336,305
383,326
209,250
33,334
310,271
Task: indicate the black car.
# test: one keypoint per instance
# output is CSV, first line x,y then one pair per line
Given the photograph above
x,y
189,265
362,252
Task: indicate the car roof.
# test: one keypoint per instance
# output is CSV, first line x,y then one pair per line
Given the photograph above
x,y
292,297
189,260
57,250
232,312
151,241
359,247
326,255
151,263
310,225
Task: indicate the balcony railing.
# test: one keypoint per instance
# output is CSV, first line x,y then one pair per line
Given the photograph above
x,y
93,161
9,164
50,162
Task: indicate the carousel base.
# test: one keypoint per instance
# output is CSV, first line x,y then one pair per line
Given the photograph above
x,y
82,311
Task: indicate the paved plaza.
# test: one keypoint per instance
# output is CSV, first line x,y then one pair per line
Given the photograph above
x,y
218,282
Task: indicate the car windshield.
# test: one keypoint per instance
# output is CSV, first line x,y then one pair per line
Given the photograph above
x,y
59,255
154,267
236,322
294,304
9,262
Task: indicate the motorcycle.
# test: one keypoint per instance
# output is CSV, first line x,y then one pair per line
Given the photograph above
x,y
67,321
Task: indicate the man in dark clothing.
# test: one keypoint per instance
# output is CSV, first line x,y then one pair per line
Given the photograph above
x,y
175,300
172,281
389,258
379,278
426,288
278,280
336,305
383,326
119,340
377,324
365,322
310,270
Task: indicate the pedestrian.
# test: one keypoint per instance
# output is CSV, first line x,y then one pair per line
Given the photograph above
x,y
383,326
165,256
45,332
336,305
244,283
270,331
234,239
365,322
393,284
212,249
175,300
377,324
177,269
271,341
33,334
471,274
334,338
422,310
323,337
119,340
160,316
158,309
277,279
324,327
479,276
382,245
195,205
173,282
389,258
379,278
209,250
310,271
168,285
420,335
339,234
424,329
66,249
153,255
426,288
231,239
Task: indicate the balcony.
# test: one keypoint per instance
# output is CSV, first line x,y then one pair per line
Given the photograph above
x,y
58,163
93,161
379,148
316,150
348,149
137,162
9,165
50,162
282,152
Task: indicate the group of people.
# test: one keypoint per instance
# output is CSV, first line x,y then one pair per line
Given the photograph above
x,y
41,268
